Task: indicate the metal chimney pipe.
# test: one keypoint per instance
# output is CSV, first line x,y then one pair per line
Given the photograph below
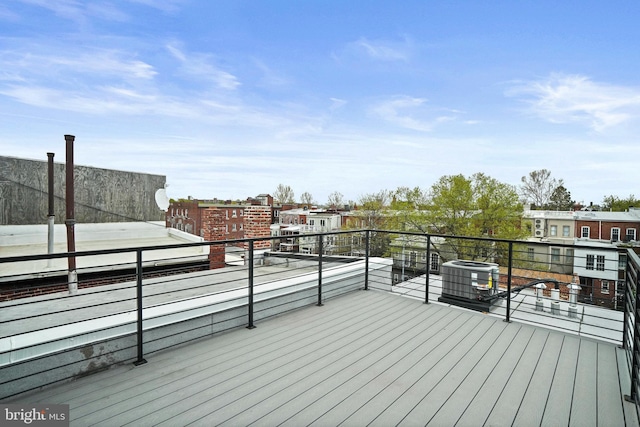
x,y
70,219
51,216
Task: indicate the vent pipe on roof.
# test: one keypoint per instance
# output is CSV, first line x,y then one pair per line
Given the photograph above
x,y
51,216
70,220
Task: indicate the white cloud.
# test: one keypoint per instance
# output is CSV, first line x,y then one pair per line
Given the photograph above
x,y
411,113
377,50
201,66
574,98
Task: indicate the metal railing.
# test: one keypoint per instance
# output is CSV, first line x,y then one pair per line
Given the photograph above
x,y
133,292
631,331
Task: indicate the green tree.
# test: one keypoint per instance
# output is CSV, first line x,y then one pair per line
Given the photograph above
x,y
479,206
372,214
560,200
617,204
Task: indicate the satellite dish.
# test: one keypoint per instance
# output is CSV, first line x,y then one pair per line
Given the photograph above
x,y
162,200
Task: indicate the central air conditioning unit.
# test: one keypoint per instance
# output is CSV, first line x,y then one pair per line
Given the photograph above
x,y
470,284
539,233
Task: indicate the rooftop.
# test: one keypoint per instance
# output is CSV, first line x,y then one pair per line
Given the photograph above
x,y
365,358
379,356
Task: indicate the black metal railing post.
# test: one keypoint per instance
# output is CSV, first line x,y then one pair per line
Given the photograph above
x,y
508,316
625,302
366,261
630,279
320,250
428,270
140,360
250,304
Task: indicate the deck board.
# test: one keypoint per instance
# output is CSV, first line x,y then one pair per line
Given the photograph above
x,y
366,358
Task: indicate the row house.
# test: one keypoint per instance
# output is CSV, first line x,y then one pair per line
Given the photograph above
x,y
294,224
590,244
187,215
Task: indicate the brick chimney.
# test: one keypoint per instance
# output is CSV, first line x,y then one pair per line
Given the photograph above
x,y
213,225
257,222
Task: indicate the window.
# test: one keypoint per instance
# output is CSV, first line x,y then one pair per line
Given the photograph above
x,y
435,262
234,214
423,256
241,226
395,278
605,286
615,234
226,214
585,232
631,234
322,222
622,262
554,230
414,258
600,263
568,257
311,221
226,228
234,227
241,212
530,254
566,230
590,260
555,254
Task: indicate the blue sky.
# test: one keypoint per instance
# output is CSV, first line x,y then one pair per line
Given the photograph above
x,y
228,99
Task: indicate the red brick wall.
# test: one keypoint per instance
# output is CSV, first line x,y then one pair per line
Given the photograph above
x,y
257,221
602,230
213,224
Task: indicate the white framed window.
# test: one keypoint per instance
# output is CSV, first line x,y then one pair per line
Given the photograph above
x,y
423,256
566,231
234,227
435,262
600,263
590,261
530,254
414,258
553,230
615,234
584,232
241,227
226,213
234,214
555,255
605,286
631,234
226,228
395,277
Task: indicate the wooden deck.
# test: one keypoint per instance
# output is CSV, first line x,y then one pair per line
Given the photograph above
x,y
367,358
